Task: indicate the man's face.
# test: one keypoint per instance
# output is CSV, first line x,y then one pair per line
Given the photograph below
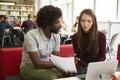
x,y
56,27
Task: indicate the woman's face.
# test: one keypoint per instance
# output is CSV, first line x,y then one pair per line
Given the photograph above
x,y
86,23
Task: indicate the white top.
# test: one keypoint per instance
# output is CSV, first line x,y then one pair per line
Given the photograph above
x,y
35,40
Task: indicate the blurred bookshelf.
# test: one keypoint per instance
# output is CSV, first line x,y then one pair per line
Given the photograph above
x,y
19,11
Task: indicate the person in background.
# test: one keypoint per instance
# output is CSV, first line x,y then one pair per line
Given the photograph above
x,y
75,26
5,24
2,18
63,31
34,20
1,21
28,24
39,43
1,30
89,44
16,22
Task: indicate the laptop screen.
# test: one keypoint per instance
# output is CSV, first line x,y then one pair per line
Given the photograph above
x,y
101,70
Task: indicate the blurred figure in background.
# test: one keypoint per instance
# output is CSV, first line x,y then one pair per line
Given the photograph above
x,y
34,20
16,22
2,18
63,31
5,24
28,24
75,26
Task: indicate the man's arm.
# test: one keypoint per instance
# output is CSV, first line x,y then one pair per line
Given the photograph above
x,y
35,57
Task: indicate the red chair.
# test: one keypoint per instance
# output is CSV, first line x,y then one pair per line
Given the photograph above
x,y
66,50
118,53
10,59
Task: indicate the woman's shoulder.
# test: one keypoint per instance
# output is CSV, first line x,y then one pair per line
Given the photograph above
x,y
101,33
75,35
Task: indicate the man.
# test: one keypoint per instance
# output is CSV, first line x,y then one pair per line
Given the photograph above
x,y
28,24
2,18
39,43
4,24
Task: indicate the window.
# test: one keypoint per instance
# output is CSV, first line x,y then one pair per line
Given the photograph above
x,y
79,5
106,10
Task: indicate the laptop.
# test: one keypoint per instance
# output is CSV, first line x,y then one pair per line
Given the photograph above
x,y
101,70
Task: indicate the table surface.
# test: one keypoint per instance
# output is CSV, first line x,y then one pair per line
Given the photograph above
x,y
70,78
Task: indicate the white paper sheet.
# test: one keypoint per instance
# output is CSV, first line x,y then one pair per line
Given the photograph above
x,y
67,64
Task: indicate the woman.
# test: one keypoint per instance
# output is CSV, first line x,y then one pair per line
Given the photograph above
x,y
89,44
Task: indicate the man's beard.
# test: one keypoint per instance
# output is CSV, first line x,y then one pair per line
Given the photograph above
x,y
54,31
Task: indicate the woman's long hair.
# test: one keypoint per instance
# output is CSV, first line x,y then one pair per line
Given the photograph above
x,y
92,47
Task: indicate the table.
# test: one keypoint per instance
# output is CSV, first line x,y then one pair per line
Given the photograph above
x,y
70,78
17,28
118,53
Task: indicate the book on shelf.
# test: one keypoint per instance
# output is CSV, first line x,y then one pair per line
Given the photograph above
x,y
3,12
2,7
14,13
9,7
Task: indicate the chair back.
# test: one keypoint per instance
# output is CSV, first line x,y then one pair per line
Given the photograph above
x,y
7,32
114,41
6,38
113,44
67,41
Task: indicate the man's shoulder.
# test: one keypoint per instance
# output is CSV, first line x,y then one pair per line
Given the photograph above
x,y
33,31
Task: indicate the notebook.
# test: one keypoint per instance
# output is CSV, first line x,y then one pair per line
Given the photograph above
x,y
101,70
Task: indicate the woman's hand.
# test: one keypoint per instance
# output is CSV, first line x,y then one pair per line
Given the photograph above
x,y
76,58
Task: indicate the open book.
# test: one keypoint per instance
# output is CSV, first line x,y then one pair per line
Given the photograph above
x,y
66,64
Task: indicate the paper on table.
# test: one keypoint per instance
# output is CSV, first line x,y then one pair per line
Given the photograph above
x,y
65,63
